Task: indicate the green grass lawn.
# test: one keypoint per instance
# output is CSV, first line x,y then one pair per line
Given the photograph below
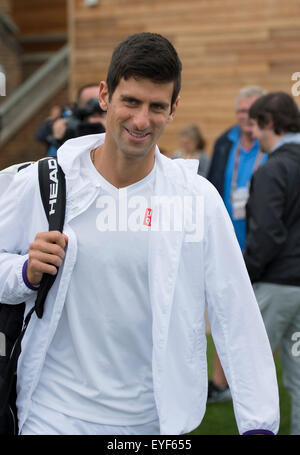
x,y
219,417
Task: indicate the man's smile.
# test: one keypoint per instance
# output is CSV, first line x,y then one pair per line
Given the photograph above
x,y
137,136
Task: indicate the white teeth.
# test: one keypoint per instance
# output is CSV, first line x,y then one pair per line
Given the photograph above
x,y
137,135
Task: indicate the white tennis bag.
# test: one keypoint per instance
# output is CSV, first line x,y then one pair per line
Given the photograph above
x,y
7,174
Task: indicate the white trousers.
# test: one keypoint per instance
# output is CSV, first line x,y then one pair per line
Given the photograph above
x,y
45,421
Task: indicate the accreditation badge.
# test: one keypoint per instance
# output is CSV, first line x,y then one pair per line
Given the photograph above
x,y
239,198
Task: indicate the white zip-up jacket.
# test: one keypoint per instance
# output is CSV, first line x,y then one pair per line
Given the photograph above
x,y
185,277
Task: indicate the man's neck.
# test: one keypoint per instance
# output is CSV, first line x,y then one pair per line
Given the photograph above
x,y
191,155
273,141
123,171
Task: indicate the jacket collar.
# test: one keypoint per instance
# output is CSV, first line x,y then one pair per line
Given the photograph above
x,y
70,152
288,138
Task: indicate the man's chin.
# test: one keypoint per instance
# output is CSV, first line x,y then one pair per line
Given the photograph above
x,y
135,152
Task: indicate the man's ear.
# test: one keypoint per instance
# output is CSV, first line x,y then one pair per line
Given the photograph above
x,y
269,125
103,95
268,122
174,108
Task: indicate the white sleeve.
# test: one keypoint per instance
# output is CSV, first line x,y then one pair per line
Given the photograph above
x,y
237,326
17,219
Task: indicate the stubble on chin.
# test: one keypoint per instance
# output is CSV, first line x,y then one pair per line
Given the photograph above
x,y
134,153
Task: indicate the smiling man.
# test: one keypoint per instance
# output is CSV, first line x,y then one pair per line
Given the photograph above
x,y
121,348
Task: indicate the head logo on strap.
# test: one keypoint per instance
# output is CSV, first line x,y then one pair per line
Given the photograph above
x,y
52,163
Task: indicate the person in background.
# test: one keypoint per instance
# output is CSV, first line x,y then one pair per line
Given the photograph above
x,y
192,145
236,156
272,251
85,116
55,111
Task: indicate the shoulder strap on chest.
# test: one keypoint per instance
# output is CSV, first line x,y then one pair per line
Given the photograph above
x,y
53,194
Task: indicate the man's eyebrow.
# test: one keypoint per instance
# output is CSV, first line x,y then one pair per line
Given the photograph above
x,y
154,103
160,103
129,97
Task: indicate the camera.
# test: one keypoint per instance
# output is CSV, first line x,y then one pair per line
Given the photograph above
x,y
79,121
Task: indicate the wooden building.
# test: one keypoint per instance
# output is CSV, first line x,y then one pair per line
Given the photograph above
x,y
40,32
223,44
10,58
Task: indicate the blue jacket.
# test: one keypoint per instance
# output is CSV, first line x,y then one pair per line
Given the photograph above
x,y
222,168
219,160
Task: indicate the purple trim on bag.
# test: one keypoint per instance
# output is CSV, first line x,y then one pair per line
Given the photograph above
x,y
25,279
266,432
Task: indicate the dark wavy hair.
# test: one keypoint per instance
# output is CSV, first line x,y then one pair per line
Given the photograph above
x,y
145,55
278,107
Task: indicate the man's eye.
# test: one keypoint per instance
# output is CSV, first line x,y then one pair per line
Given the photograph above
x,y
158,107
130,101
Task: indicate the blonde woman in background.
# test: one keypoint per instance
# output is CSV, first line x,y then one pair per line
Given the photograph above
x,y
192,145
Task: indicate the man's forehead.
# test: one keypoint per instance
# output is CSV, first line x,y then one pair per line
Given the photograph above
x,y
145,80
146,87
247,101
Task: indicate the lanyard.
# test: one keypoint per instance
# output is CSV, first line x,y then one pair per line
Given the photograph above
x,y
258,160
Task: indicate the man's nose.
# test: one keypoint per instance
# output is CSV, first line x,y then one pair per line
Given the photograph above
x,y
142,118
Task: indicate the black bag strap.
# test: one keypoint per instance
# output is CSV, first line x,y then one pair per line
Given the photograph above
x,y
53,194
